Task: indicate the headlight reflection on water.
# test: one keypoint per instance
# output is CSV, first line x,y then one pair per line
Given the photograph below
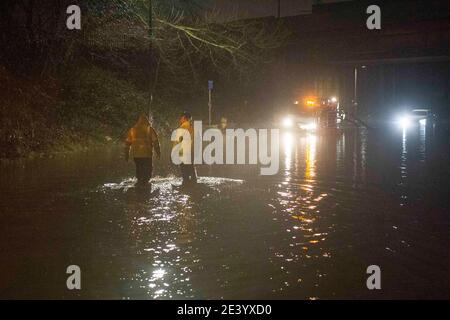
x,y
310,155
288,146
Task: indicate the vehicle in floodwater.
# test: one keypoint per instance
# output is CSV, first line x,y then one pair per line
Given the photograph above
x,y
417,117
310,114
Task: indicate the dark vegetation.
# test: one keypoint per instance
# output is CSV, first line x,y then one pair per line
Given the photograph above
x,y
61,88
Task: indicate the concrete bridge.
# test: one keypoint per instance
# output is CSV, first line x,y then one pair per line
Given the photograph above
x,y
332,51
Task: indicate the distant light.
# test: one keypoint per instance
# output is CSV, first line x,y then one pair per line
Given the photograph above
x,y
423,122
288,122
296,102
334,99
364,67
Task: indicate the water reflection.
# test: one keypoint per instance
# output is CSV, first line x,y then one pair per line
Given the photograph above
x,y
340,152
297,210
308,232
404,157
288,147
422,140
363,152
310,157
162,231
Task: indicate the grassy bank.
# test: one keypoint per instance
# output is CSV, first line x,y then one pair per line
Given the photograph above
x,y
83,108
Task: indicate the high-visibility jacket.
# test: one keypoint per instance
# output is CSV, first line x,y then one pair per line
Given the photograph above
x,y
142,139
186,125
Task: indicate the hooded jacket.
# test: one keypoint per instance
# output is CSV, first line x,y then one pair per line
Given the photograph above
x,y
142,139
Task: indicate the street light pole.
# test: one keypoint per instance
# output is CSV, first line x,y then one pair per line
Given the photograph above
x,y
150,50
279,9
355,92
209,109
210,89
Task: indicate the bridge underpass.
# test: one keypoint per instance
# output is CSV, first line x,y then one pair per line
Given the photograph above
x,y
403,65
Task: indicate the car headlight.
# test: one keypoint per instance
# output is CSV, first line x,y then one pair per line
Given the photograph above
x,y
288,122
309,126
404,122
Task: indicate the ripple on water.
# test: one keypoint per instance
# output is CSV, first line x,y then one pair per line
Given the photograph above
x,y
164,228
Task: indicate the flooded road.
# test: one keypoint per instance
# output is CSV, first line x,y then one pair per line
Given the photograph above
x,y
340,203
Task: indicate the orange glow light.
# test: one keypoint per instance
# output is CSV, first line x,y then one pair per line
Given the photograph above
x,y
310,103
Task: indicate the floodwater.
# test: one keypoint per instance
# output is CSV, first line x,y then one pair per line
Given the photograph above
x,y
340,203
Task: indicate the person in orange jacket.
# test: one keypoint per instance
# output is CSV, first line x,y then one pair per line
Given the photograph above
x,y
140,142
